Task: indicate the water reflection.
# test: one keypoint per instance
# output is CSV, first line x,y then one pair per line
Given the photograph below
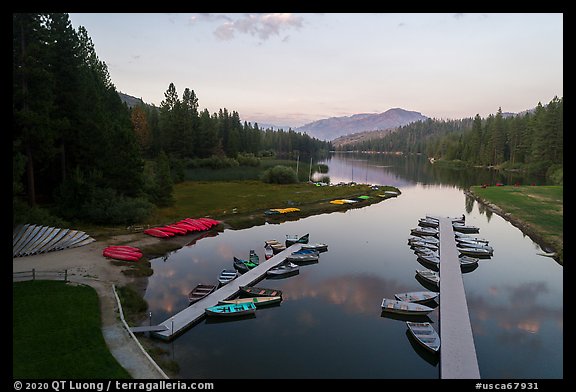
x,y
331,313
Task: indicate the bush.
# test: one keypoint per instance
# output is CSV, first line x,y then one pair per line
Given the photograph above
x,y
280,175
555,174
248,160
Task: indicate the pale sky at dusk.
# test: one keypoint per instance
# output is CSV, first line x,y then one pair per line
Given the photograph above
x,y
290,69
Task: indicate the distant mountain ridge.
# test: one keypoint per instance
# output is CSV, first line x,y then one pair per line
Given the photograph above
x,y
334,127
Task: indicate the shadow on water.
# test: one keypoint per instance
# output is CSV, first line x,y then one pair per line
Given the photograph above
x,y
430,357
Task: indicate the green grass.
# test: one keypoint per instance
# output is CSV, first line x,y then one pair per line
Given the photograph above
x,y
540,208
57,333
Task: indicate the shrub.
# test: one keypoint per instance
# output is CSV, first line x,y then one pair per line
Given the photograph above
x,y
280,175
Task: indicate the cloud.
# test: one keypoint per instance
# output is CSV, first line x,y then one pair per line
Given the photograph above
x,y
263,26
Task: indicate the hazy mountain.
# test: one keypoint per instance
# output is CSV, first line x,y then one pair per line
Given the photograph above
x,y
130,100
331,128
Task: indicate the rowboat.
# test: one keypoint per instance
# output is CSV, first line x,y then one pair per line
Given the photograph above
x,y
259,292
422,244
404,307
465,228
470,244
231,310
293,239
302,257
268,251
462,236
226,276
431,260
429,276
425,334
417,296
243,265
424,231
258,301
478,252
428,222
200,291
283,269
253,257
427,239
318,246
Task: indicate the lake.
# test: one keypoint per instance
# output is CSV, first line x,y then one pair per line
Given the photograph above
x,y
330,324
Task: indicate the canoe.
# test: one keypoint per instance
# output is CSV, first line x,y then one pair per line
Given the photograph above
x,y
258,301
283,269
417,296
231,310
200,291
154,232
429,276
404,307
293,239
125,253
243,265
226,276
425,334
259,292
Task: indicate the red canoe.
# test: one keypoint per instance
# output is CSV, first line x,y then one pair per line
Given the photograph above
x,y
119,254
124,247
158,233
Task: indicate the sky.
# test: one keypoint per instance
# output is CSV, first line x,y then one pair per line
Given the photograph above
x,y
292,69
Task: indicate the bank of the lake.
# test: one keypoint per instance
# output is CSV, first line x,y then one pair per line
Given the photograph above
x,y
242,204
536,210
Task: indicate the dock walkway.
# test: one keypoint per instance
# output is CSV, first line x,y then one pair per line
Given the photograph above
x,y
457,353
192,314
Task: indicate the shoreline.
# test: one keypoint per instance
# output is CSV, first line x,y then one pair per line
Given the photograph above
x,y
523,226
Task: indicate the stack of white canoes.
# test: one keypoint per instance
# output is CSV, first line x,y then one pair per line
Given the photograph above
x,y
32,239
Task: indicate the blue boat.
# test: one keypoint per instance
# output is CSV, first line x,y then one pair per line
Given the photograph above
x,y
231,310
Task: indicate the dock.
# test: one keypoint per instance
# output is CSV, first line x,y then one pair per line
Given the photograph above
x,y
180,322
458,358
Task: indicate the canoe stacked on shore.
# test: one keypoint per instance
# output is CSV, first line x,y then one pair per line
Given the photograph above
x,y
124,253
32,239
183,227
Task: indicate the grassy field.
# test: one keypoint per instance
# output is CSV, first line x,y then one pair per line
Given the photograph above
x,y
242,203
56,333
538,209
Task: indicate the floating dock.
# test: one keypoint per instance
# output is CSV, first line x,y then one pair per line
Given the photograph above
x,y
192,314
457,354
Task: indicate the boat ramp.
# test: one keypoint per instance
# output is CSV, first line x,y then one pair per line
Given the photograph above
x,y
194,313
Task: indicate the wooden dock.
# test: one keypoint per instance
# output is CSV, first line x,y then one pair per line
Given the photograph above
x,y
192,314
457,352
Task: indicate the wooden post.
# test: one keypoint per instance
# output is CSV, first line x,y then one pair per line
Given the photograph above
x,y
33,274
65,276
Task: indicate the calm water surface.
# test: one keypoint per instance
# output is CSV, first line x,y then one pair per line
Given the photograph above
x,y
330,323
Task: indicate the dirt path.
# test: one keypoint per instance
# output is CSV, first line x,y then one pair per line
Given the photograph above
x,y
86,265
